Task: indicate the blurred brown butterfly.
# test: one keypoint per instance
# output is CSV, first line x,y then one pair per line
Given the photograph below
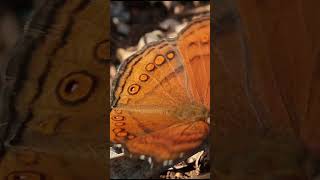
x,y
52,91
161,96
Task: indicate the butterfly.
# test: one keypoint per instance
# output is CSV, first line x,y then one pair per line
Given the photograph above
x,y
161,97
53,94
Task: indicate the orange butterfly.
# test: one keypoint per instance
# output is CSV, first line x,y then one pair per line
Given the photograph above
x,y
161,96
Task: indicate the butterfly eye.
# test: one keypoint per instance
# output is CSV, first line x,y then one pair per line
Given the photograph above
x,y
150,67
118,118
75,87
170,55
119,123
133,89
159,60
143,77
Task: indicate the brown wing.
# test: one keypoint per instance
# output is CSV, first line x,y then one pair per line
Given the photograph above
x,y
57,80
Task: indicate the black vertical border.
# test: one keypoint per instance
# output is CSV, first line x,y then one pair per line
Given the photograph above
x,y
107,81
212,21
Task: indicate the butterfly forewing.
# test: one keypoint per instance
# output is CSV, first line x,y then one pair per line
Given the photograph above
x,y
152,79
194,46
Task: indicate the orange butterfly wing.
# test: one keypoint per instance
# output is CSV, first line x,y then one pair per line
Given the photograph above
x,y
157,111
194,46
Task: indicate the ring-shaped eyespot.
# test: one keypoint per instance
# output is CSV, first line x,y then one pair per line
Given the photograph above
x,y
75,87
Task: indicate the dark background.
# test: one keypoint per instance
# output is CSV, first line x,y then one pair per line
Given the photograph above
x,y
13,16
